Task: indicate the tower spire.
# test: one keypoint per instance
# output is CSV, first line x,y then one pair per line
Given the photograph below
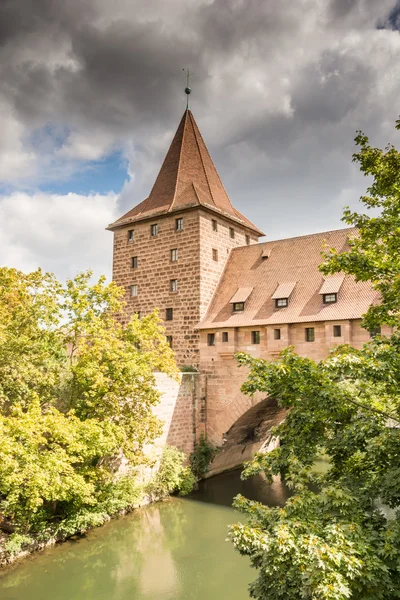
x,y
188,89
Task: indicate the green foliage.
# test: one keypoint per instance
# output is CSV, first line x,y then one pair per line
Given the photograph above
x,y
16,542
374,254
172,475
343,540
201,457
76,389
188,369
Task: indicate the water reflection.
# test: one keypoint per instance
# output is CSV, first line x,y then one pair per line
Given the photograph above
x,y
221,489
175,550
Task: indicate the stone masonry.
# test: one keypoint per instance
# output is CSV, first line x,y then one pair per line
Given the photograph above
x,y
186,251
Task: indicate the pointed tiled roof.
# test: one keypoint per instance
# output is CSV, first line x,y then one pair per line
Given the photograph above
x,y
187,178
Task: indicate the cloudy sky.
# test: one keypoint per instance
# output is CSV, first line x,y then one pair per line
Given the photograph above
x,y
91,92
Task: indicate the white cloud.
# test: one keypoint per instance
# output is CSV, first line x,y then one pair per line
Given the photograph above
x,y
60,233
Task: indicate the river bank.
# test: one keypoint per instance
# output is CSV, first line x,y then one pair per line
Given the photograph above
x,y
170,550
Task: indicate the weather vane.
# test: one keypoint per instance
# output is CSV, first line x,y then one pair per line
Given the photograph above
x,y
187,88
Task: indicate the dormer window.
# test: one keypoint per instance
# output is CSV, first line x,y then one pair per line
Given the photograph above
x,y
282,293
239,298
281,302
329,298
238,306
330,289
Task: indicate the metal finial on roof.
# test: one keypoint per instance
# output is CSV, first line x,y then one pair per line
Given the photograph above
x,y
188,89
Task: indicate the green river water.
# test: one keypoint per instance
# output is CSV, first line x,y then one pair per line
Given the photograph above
x,y
173,550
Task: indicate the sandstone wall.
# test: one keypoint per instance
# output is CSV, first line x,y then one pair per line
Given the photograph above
x,y
225,402
181,409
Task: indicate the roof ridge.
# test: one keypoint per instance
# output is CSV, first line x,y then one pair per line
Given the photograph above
x,y
201,156
296,237
179,161
215,168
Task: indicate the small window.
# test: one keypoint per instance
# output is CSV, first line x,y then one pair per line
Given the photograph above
x,y
330,298
375,331
215,254
169,314
225,336
134,290
277,334
231,233
138,314
174,255
310,334
248,240
214,225
134,262
211,339
337,331
179,224
238,306
131,235
255,337
173,285
154,229
281,302
169,340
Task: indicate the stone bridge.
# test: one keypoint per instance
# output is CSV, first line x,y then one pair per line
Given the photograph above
x,y
239,424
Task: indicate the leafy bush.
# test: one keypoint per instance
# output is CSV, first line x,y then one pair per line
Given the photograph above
x,y
76,389
172,475
16,542
201,457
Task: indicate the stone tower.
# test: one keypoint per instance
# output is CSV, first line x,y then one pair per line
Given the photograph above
x,y
171,249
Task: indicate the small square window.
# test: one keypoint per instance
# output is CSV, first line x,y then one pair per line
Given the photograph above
x,y
179,224
134,262
215,254
248,240
134,290
225,336
174,255
375,331
169,340
255,337
337,331
238,306
154,229
211,339
173,285
277,334
281,302
231,233
310,334
330,298
131,235
169,314
214,225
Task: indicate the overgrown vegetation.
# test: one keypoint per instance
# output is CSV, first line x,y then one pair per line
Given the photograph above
x,y
173,475
344,540
76,393
201,457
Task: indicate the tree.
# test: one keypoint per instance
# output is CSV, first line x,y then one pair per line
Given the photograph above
x,y
339,534
76,389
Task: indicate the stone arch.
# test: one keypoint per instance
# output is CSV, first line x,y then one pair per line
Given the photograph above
x,y
249,434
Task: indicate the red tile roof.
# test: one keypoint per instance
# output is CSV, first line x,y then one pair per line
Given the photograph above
x,y
186,179
291,260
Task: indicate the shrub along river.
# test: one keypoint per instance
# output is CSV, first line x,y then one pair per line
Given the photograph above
x,y
172,550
